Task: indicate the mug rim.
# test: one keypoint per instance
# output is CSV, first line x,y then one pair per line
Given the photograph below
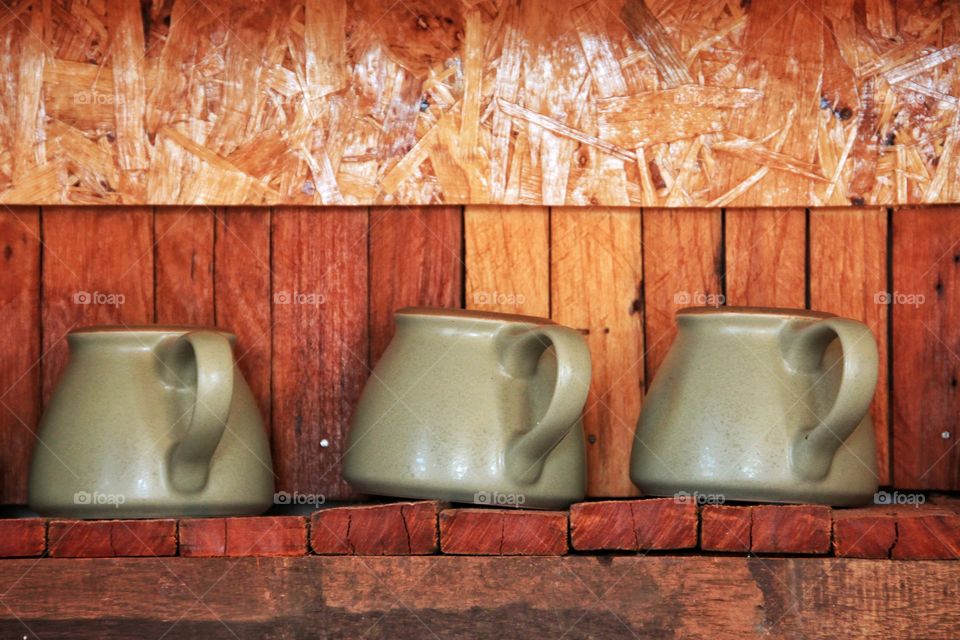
x,y
744,311
146,328
470,314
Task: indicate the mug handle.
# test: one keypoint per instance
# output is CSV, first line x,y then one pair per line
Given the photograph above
x,y
812,452
525,456
213,396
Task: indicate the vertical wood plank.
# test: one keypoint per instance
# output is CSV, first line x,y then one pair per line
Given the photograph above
x,y
682,267
596,268
320,342
848,277
184,265
926,348
765,257
97,269
19,347
242,293
508,259
414,261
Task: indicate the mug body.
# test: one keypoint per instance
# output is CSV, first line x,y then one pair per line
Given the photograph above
x,y
725,409
106,437
439,412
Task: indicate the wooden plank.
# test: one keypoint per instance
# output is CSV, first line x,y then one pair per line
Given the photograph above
x,y
22,537
848,277
724,528
184,266
112,538
596,272
19,348
239,537
398,528
508,259
242,293
634,525
84,284
765,257
414,261
320,330
682,267
790,529
926,357
503,532
643,596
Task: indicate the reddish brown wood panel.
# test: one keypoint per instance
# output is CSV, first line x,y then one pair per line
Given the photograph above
x,y
19,348
634,525
790,529
320,329
508,259
237,537
97,269
765,257
22,537
110,538
682,267
399,528
849,277
725,528
243,302
596,270
926,348
503,532
415,260
184,265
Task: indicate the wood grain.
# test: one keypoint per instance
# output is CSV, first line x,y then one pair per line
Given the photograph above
x,y
790,529
415,260
398,528
98,268
111,538
238,537
926,348
19,348
508,259
765,257
848,277
503,532
726,528
596,271
22,537
682,266
184,266
554,103
320,342
634,525
242,287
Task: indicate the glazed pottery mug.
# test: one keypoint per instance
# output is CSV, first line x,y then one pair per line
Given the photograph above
x,y
148,422
472,406
762,405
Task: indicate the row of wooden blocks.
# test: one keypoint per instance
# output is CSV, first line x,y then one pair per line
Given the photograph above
x,y
928,531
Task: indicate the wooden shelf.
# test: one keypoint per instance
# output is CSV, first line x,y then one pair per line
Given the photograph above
x,y
445,596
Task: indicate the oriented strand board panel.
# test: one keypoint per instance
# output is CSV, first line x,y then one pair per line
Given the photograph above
x,y
926,348
537,102
320,343
765,257
20,348
596,273
415,260
508,259
98,268
849,277
682,257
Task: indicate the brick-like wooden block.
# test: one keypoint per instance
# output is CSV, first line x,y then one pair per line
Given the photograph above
x,y
112,538
239,537
929,533
634,525
503,532
791,529
866,532
725,528
22,537
395,529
